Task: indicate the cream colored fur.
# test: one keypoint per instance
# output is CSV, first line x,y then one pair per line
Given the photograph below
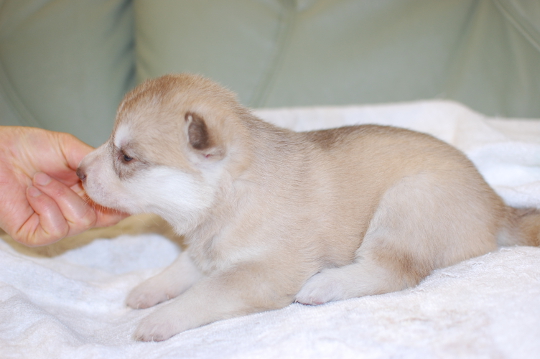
x,y
272,216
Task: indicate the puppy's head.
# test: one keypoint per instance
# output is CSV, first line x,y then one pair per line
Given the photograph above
x,y
173,141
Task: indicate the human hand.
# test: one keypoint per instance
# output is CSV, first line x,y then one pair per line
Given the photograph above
x,y
41,197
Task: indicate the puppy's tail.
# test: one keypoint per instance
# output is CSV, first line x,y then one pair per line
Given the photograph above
x,y
523,228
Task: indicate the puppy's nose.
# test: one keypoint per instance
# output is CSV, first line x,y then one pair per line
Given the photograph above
x,y
81,174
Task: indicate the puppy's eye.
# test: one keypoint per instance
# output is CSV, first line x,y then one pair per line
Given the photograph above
x,y
125,158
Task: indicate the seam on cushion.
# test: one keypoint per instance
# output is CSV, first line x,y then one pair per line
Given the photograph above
x,y
14,101
286,24
125,9
532,36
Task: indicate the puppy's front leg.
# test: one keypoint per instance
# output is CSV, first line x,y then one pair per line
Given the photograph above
x,y
170,283
239,291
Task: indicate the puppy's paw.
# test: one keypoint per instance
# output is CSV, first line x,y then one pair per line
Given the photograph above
x,y
321,288
148,294
159,326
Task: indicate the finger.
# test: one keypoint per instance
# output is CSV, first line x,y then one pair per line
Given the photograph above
x,y
79,215
79,189
46,225
73,149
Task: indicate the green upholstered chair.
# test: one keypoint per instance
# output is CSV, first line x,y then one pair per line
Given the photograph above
x,y
65,65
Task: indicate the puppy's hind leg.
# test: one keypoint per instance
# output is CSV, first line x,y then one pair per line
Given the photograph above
x,y
382,265
363,277
170,283
392,257
421,224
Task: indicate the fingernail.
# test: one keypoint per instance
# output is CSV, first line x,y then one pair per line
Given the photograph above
x,y
34,192
42,179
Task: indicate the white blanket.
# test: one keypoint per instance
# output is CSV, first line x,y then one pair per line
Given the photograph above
x,y
72,306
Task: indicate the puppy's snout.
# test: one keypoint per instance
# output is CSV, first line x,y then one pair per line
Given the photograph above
x,y
81,174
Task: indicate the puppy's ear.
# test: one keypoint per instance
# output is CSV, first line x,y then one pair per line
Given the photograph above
x,y
200,137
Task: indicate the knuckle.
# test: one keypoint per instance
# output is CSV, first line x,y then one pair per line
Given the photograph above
x,y
59,232
90,218
58,192
86,220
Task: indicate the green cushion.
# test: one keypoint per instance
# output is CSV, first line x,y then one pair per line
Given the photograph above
x,y
338,52
65,65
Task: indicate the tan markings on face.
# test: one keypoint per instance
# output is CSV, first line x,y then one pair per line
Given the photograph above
x,y
156,114
127,160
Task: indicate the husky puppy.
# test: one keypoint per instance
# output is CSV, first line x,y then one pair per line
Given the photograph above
x,y
271,216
